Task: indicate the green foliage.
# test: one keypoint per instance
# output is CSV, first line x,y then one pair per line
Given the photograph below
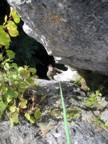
x,y
37,114
99,122
2,108
15,16
72,112
4,38
93,99
30,118
14,79
56,113
12,29
106,125
10,26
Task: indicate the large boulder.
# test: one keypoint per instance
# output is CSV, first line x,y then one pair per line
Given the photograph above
x,y
74,31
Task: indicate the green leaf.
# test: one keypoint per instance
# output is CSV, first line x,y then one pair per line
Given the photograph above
x,y
37,114
30,118
5,20
23,104
10,54
25,73
10,95
32,70
1,57
12,29
20,69
12,109
6,60
106,125
23,84
4,38
6,66
14,76
15,16
4,89
30,80
14,65
2,106
14,118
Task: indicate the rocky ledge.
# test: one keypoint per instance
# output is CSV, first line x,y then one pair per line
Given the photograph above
x,y
84,129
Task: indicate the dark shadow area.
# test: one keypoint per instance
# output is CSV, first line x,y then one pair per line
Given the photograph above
x,y
27,50
4,10
32,53
95,81
61,66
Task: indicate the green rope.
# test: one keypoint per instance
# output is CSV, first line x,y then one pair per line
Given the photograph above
x,y
65,117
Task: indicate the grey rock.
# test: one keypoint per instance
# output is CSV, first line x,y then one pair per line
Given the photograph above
x,y
68,75
82,131
76,32
21,134
104,116
87,116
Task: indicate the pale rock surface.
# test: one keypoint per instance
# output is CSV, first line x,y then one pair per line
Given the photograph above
x,y
68,75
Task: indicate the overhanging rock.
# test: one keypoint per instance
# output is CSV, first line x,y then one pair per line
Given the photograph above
x,y
74,31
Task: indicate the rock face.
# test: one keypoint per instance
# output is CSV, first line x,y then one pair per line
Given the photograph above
x,y
74,31
50,130
22,134
26,134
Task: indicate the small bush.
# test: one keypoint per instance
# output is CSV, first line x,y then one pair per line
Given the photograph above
x,y
14,79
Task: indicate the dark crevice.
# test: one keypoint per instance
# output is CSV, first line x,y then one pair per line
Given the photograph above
x,y
27,50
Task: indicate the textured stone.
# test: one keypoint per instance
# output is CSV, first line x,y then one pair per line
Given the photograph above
x,y
76,32
21,134
50,130
81,133
104,116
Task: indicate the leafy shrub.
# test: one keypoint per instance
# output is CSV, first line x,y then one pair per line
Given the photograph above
x,y
93,100
14,79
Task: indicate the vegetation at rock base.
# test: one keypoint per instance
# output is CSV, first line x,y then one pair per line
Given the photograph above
x,y
95,87
14,79
93,100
